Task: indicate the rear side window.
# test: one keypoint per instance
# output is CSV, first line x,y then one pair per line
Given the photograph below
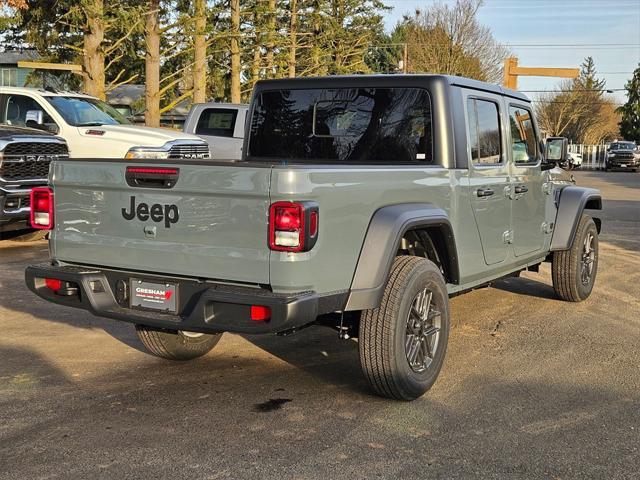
x,y
217,122
358,125
523,136
483,123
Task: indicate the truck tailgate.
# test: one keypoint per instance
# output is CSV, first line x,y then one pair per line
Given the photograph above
x,y
212,223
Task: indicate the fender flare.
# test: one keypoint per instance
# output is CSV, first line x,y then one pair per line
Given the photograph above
x,y
381,242
572,201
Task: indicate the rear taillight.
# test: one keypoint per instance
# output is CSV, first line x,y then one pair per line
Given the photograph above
x,y
293,226
42,208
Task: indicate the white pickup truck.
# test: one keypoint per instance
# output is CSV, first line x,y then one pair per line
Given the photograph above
x,y
93,128
221,125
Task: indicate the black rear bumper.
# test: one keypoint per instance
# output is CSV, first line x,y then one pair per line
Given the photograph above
x,y
202,306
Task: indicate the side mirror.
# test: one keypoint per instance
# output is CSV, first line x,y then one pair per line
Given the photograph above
x,y
556,151
34,117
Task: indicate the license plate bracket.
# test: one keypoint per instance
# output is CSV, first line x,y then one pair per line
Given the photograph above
x,y
153,295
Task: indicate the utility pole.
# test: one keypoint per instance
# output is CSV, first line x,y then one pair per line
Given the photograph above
x,y
512,71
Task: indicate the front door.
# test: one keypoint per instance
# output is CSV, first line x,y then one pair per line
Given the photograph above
x,y
489,178
527,192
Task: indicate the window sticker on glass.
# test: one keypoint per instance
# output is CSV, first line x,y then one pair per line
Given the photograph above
x,y
220,120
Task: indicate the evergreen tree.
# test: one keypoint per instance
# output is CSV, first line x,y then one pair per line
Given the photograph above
x,y
630,111
587,79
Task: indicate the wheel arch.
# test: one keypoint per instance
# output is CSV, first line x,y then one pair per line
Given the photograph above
x,y
572,202
387,231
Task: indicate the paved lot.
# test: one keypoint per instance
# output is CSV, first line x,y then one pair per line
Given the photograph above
x,y
532,388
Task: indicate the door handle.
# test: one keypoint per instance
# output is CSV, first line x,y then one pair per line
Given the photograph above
x,y
521,189
484,192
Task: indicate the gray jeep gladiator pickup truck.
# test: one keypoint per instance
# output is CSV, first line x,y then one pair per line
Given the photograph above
x,y
25,155
361,203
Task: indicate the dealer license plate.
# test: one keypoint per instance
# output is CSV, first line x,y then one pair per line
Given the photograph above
x,y
158,296
623,165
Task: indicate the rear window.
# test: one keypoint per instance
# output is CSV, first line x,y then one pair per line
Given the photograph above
x,y
218,122
351,125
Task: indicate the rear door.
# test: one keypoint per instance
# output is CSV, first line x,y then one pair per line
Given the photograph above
x,y
488,175
210,223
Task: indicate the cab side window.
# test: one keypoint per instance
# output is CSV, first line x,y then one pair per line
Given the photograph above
x,y
218,122
16,108
483,123
524,146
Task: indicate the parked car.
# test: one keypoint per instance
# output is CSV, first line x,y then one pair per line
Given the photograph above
x,y
622,155
92,128
25,155
221,125
361,203
574,161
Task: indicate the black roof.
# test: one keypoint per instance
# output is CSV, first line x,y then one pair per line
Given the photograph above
x,y
386,80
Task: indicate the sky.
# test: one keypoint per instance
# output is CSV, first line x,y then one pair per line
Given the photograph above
x,y
607,30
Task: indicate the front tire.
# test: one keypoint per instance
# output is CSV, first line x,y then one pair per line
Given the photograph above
x,y
574,271
403,343
176,345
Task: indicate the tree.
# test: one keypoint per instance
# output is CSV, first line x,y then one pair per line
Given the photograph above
x,y
450,40
175,46
235,51
293,37
578,110
358,24
93,52
8,12
200,52
152,64
89,32
630,111
17,4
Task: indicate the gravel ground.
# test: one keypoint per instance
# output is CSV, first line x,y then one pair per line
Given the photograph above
x,y
532,387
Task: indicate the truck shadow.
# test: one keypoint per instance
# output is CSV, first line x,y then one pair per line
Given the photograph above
x,y
526,286
23,370
320,352
15,296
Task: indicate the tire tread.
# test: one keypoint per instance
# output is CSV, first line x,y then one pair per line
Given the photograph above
x,y
375,355
564,266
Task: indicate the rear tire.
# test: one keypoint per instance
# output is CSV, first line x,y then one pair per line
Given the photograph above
x,y
574,271
176,345
403,342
